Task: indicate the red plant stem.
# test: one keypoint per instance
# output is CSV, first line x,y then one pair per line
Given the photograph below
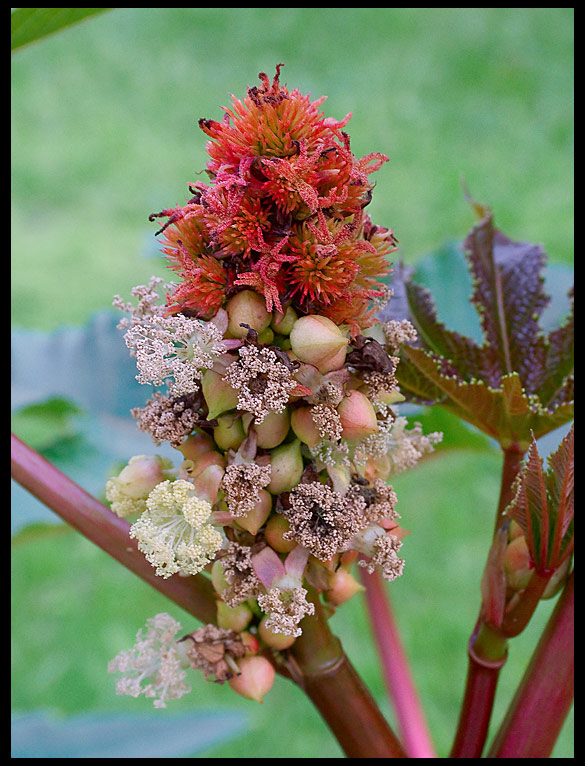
x,y
513,456
328,678
321,668
484,668
412,725
476,709
543,699
94,520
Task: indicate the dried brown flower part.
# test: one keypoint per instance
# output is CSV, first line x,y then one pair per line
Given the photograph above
x,y
379,497
166,418
398,332
286,608
214,651
262,381
242,483
323,521
327,420
240,574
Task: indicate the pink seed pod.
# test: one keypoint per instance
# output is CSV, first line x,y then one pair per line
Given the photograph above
x,y
343,586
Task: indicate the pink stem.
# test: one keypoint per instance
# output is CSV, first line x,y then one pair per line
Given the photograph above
x,y
539,708
412,726
94,520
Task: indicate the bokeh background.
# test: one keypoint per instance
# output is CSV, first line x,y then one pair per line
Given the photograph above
x,y
104,132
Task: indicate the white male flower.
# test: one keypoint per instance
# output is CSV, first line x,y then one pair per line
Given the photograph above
x,y
176,347
174,532
153,666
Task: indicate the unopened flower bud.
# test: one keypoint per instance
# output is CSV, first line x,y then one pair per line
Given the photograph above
x,y
279,641
357,415
266,336
255,518
218,578
128,491
317,340
343,586
251,643
255,679
272,430
282,323
233,617
517,564
276,527
247,307
219,395
304,426
286,464
142,474
229,432
196,445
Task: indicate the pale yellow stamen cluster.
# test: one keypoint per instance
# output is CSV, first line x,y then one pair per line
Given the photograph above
x,y
153,666
403,446
242,483
285,609
263,383
174,533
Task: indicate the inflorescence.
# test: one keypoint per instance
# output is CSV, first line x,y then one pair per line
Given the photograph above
x,y
275,383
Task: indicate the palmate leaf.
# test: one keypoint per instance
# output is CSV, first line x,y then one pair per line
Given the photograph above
x,y
505,413
518,380
543,504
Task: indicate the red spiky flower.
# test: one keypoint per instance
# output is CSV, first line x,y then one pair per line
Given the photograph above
x,y
283,213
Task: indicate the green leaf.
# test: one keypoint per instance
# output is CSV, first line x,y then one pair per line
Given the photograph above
x,y
505,412
519,379
30,24
43,424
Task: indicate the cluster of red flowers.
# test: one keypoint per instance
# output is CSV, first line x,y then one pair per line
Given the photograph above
x,y
283,214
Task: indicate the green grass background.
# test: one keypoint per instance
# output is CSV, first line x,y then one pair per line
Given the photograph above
x,y
104,132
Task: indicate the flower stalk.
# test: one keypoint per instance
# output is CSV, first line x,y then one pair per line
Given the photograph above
x,y
324,672
399,682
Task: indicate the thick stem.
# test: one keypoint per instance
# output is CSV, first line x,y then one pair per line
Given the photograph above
x,y
412,725
487,654
545,695
487,650
96,522
330,681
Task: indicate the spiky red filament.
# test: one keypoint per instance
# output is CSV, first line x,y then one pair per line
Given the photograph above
x,y
270,121
203,289
320,273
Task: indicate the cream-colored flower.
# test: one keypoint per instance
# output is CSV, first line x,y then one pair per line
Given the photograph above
x,y
174,533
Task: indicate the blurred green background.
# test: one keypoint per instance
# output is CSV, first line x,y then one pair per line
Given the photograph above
x,y
104,132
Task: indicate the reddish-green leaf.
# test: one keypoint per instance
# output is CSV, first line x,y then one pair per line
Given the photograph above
x,y
543,505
